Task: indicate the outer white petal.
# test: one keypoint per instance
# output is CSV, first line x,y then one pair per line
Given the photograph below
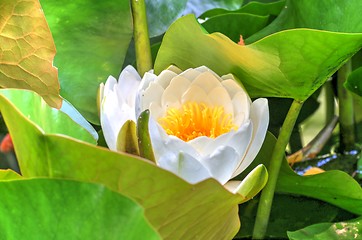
x,y
241,105
259,115
176,156
163,144
185,166
113,116
145,82
239,140
222,163
128,83
118,104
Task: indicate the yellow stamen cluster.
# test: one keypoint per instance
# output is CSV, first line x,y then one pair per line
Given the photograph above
x,y
193,120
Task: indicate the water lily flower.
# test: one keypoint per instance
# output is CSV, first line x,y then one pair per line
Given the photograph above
x,y
201,125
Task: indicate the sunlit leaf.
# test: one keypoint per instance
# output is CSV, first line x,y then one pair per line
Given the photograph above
x,y
27,50
235,24
341,231
91,38
63,209
8,174
269,67
175,208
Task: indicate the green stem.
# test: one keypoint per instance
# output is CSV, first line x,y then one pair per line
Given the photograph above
x,y
329,97
278,156
141,38
346,116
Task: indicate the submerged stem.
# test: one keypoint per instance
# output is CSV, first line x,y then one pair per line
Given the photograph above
x,y
346,115
141,38
278,156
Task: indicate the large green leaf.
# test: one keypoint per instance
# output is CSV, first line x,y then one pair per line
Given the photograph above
x,y
176,209
321,14
341,231
255,8
269,67
92,38
27,50
335,187
63,209
161,13
50,120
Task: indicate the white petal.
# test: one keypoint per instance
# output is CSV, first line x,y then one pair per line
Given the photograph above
x,y
231,86
259,115
222,163
238,140
165,78
220,97
145,82
203,69
190,74
109,86
185,166
207,81
128,84
241,104
164,144
172,95
195,94
113,115
152,94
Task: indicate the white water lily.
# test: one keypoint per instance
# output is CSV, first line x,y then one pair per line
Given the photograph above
x,y
201,125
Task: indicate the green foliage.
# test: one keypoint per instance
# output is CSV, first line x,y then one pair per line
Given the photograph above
x,y
27,50
208,209
289,213
354,81
92,38
320,15
63,209
267,68
341,231
334,187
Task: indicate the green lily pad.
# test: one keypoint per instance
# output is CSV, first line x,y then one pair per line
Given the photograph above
x,y
175,208
322,14
92,39
267,68
50,120
254,8
354,81
235,24
161,13
27,50
63,209
8,174
341,230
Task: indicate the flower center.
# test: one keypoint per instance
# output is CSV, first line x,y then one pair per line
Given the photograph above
x,y
193,120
